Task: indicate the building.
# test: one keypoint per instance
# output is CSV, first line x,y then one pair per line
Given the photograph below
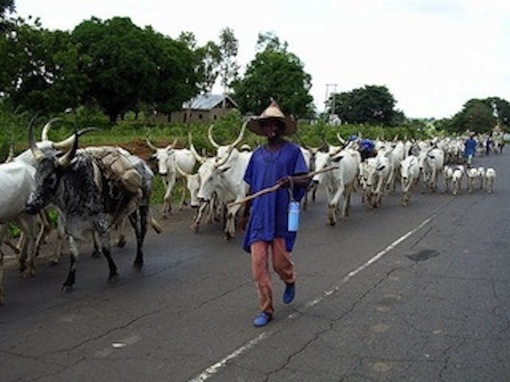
x,y
204,108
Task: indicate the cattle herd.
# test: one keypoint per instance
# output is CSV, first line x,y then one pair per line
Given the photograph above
x,y
96,190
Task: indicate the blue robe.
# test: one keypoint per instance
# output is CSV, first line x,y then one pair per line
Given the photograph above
x,y
269,212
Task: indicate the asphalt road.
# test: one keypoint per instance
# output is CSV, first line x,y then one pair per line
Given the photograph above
x,y
420,293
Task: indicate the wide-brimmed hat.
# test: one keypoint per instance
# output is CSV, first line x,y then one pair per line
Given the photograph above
x,y
273,111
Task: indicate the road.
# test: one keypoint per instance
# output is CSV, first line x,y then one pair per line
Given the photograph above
x,y
420,293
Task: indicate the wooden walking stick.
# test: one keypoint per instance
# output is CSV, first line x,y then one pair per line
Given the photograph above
x,y
277,186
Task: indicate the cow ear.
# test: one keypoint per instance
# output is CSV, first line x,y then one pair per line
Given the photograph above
x,y
380,168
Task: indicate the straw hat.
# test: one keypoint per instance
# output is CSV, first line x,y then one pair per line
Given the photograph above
x,y
272,112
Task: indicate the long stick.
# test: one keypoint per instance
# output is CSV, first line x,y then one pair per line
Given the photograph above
x,y
277,186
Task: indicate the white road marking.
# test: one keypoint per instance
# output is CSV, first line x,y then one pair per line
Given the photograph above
x,y
213,369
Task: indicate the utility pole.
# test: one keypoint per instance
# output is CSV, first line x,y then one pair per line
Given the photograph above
x,y
328,93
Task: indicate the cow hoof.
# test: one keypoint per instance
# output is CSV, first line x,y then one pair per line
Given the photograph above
x,y
67,288
113,279
53,263
121,243
138,265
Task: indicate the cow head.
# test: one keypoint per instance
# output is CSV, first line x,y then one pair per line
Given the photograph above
x,y
164,156
50,168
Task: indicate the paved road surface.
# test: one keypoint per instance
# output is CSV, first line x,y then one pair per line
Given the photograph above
x,y
395,294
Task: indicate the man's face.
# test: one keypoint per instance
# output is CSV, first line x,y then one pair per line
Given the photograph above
x,y
272,128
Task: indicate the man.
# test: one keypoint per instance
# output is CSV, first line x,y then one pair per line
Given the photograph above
x,y
470,149
267,231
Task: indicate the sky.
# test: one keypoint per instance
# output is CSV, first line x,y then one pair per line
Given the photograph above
x,y
432,55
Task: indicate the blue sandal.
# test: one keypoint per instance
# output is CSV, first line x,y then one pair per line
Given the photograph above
x,y
262,319
290,291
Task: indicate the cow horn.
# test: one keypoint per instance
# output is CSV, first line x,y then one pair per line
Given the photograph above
x,y
241,134
181,171
65,159
211,139
199,158
340,139
36,151
172,145
151,146
10,156
46,128
68,142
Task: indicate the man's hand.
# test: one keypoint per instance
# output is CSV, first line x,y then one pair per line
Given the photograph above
x,y
284,182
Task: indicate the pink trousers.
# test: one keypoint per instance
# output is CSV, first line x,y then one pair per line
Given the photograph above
x,y
282,264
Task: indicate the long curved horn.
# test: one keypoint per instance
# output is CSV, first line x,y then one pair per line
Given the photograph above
x,y
10,156
172,145
198,157
181,171
241,135
36,151
65,159
151,146
340,139
46,128
68,142
211,139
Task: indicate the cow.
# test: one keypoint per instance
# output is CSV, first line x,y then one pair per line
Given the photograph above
x,y
409,176
431,166
17,181
225,180
375,173
168,158
457,176
490,177
340,181
89,199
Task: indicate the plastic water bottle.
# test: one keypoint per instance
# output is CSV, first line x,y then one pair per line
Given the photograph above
x,y
293,221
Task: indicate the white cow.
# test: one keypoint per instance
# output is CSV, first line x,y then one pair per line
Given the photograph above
x,y
17,180
490,177
340,182
447,177
226,180
431,166
375,173
457,176
409,176
472,176
168,158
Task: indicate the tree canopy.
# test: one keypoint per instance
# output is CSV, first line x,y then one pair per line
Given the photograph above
x,y
371,104
480,116
274,74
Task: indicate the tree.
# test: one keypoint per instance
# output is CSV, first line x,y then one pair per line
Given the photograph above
x,y
501,110
39,71
127,66
6,6
371,104
228,49
476,115
274,74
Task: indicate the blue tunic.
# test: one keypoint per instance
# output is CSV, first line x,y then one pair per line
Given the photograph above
x,y
268,214
470,147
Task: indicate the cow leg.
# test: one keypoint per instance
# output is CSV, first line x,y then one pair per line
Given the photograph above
x,y
138,220
27,224
71,274
167,200
113,276
3,231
